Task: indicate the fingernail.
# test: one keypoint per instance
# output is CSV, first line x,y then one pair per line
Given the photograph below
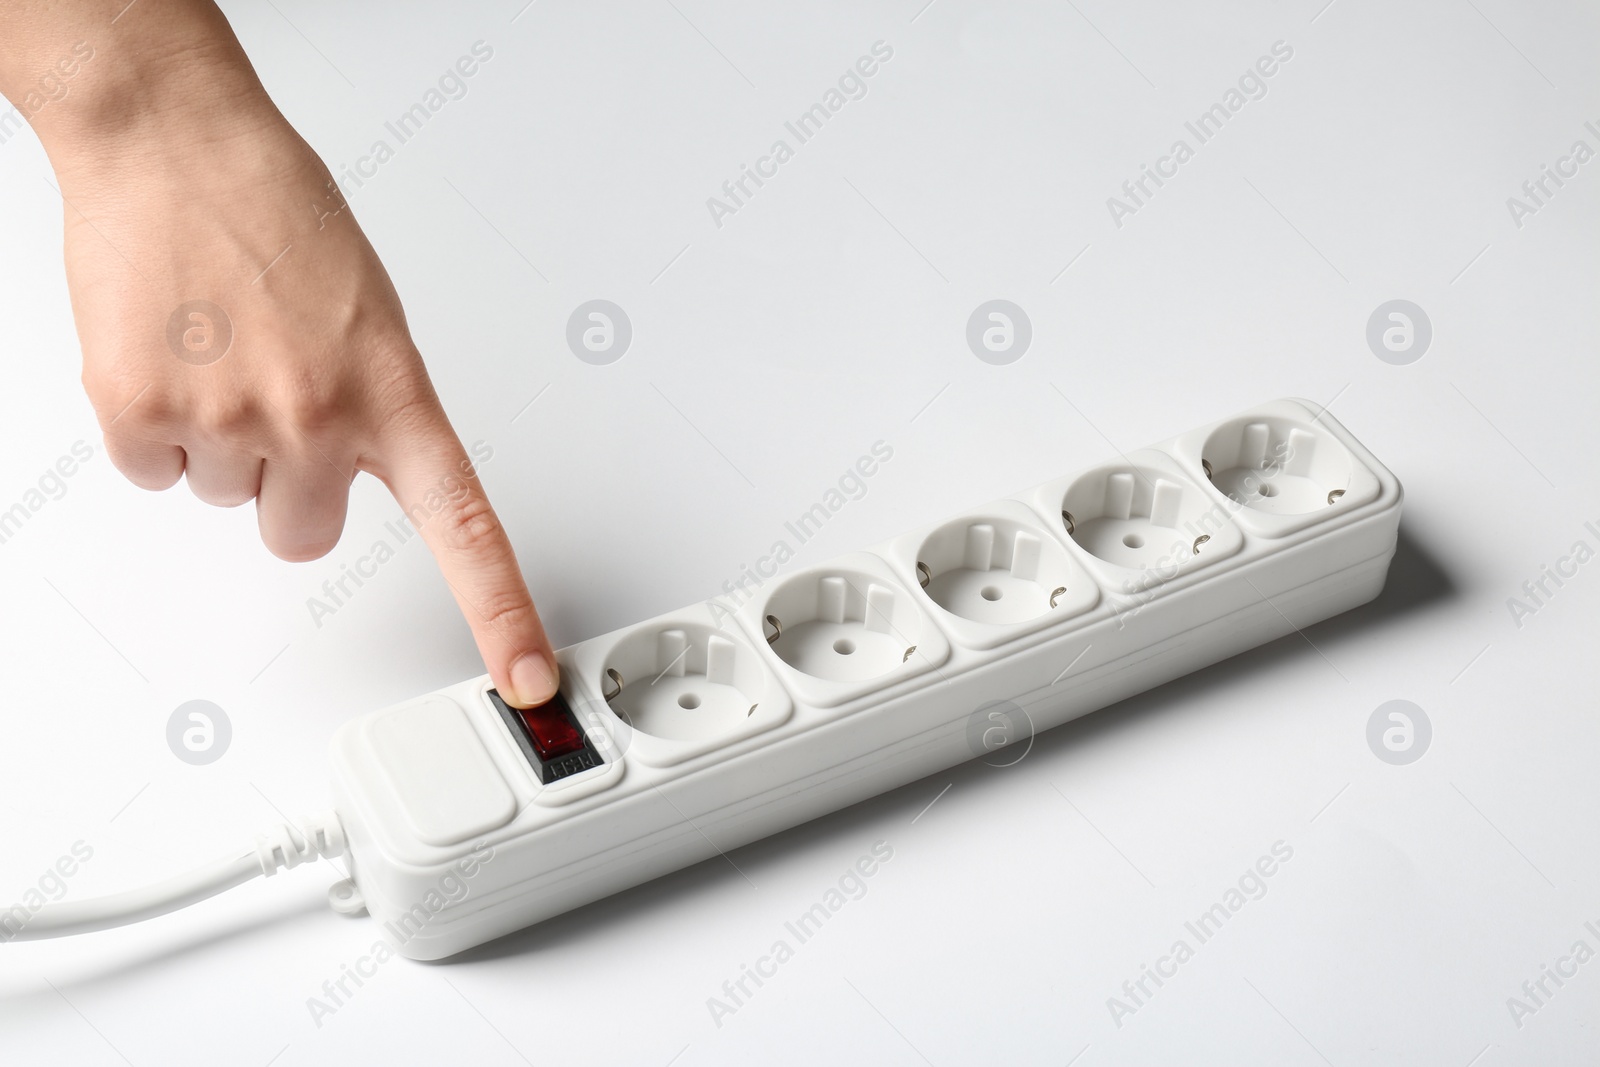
x,y
533,678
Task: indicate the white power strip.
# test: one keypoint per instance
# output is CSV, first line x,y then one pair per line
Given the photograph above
x,y
693,734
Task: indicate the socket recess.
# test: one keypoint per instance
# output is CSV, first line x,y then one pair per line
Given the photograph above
x,y
840,630
995,574
1140,517
680,687
1279,466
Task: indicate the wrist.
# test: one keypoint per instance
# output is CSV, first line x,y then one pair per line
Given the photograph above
x,y
120,125
175,83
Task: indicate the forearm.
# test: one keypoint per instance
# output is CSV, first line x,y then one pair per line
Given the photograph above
x,y
100,80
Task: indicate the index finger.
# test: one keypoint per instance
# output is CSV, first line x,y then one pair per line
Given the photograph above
x,y
437,486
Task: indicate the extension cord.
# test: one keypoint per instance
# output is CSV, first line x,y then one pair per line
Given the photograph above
x,y
691,734
702,730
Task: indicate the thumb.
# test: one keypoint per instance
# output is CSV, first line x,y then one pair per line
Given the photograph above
x,y
437,487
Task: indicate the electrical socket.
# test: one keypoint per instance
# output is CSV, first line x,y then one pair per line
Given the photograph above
x,y
993,575
677,687
1281,466
861,674
843,629
1140,520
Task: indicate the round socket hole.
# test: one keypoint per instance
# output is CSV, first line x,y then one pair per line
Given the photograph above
x,y
1277,465
683,682
1133,540
846,625
996,569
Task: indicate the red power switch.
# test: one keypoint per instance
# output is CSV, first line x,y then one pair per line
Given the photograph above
x,y
552,729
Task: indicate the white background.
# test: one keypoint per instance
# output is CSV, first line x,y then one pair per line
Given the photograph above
x,y
769,354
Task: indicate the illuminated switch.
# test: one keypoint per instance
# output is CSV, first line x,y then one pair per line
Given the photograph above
x,y
550,737
551,729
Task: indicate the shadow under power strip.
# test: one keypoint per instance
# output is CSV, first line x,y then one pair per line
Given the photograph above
x,y
690,734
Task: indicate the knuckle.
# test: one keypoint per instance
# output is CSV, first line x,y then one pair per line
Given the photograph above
x,y
228,417
405,394
97,386
316,404
126,402
504,609
471,527
410,402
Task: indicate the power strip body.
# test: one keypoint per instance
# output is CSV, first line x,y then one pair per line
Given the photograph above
x,y
454,838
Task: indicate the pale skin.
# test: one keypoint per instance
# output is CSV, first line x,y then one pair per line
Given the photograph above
x,y
181,181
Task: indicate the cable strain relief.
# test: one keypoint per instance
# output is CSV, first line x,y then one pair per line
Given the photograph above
x,y
288,845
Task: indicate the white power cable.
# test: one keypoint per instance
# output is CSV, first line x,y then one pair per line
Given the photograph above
x,y
283,846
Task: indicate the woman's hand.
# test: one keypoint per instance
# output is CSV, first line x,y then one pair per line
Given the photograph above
x,y
238,330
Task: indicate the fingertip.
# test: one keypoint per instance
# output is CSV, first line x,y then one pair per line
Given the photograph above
x,y
534,679
302,553
301,508
291,545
